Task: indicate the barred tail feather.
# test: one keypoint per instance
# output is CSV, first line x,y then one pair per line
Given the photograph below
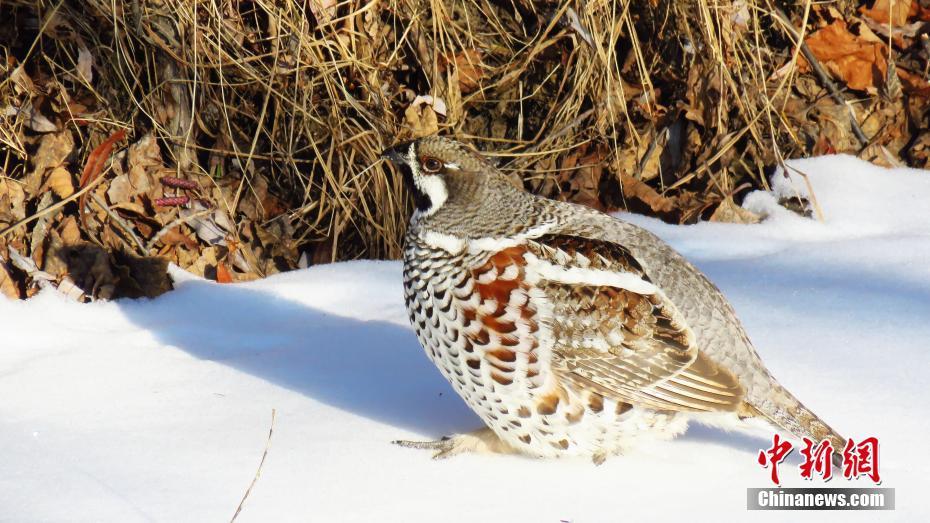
x,y
783,410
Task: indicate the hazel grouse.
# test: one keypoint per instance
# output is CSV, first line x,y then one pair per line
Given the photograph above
x,y
568,331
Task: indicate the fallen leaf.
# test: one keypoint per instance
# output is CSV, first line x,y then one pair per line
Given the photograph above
x,y
85,64
40,229
422,119
7,285
70,233
729,212
34,119
16,196
222,273
95,162
67,287
858,62
60,182
176,237
580,175
144,162
98,158
469,68
571,19
53,150
634,188
28,265
211,227
885,11
438,105
22,81
120,190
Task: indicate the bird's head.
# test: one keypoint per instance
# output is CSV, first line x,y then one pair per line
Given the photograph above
x,y
438,169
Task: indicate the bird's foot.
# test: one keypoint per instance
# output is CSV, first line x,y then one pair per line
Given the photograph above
x,y
480,441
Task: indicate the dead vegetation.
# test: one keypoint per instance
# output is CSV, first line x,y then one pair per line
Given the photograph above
x,y
240,138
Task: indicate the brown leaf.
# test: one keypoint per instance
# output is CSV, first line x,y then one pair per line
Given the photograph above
x,y
860,63
729,212
22,81
70,233
145,163
884,11
120,190
59,181
7,286
13,193
469,68
53,150
95,162
422,119
176,237
98,157
633,188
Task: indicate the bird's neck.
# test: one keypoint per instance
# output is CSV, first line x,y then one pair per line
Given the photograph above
x,y
478,209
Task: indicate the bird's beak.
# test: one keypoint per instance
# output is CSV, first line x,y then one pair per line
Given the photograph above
x,y
397,153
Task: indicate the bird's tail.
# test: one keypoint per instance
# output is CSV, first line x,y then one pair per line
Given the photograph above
x,y
780,408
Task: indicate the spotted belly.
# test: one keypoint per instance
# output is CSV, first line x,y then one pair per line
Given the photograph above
x,y
488,331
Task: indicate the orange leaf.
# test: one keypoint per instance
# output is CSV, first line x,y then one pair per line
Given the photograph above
x,y
94,165
99,155
222,273
880,12
860,63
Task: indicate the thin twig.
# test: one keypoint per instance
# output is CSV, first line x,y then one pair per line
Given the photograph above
x,y
258,472
120,222
810,191
180,220
51,208
824,77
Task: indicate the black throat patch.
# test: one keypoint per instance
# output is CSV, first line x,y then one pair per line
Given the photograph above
x,y
420,199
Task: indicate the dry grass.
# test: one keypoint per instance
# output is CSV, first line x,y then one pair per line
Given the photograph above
x,y
669,108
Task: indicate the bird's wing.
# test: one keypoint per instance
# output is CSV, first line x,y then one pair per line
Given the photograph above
x,y
617,333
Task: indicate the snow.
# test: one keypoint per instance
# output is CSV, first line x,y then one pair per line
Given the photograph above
x,y
160,410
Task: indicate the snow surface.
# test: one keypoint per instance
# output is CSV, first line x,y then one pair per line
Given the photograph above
x,y
160,410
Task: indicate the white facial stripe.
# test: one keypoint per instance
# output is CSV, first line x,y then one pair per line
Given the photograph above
x,y
429,184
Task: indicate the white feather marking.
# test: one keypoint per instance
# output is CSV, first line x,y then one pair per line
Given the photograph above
x,y
510,272
543,270
446,242
488,277
495,244
598,344
492,244
431,185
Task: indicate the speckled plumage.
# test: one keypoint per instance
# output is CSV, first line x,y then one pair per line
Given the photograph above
x,y
569,332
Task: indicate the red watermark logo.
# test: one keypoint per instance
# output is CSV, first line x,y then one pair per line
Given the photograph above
x,y
858,459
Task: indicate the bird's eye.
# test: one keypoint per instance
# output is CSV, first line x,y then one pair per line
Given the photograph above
x,y
431,165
